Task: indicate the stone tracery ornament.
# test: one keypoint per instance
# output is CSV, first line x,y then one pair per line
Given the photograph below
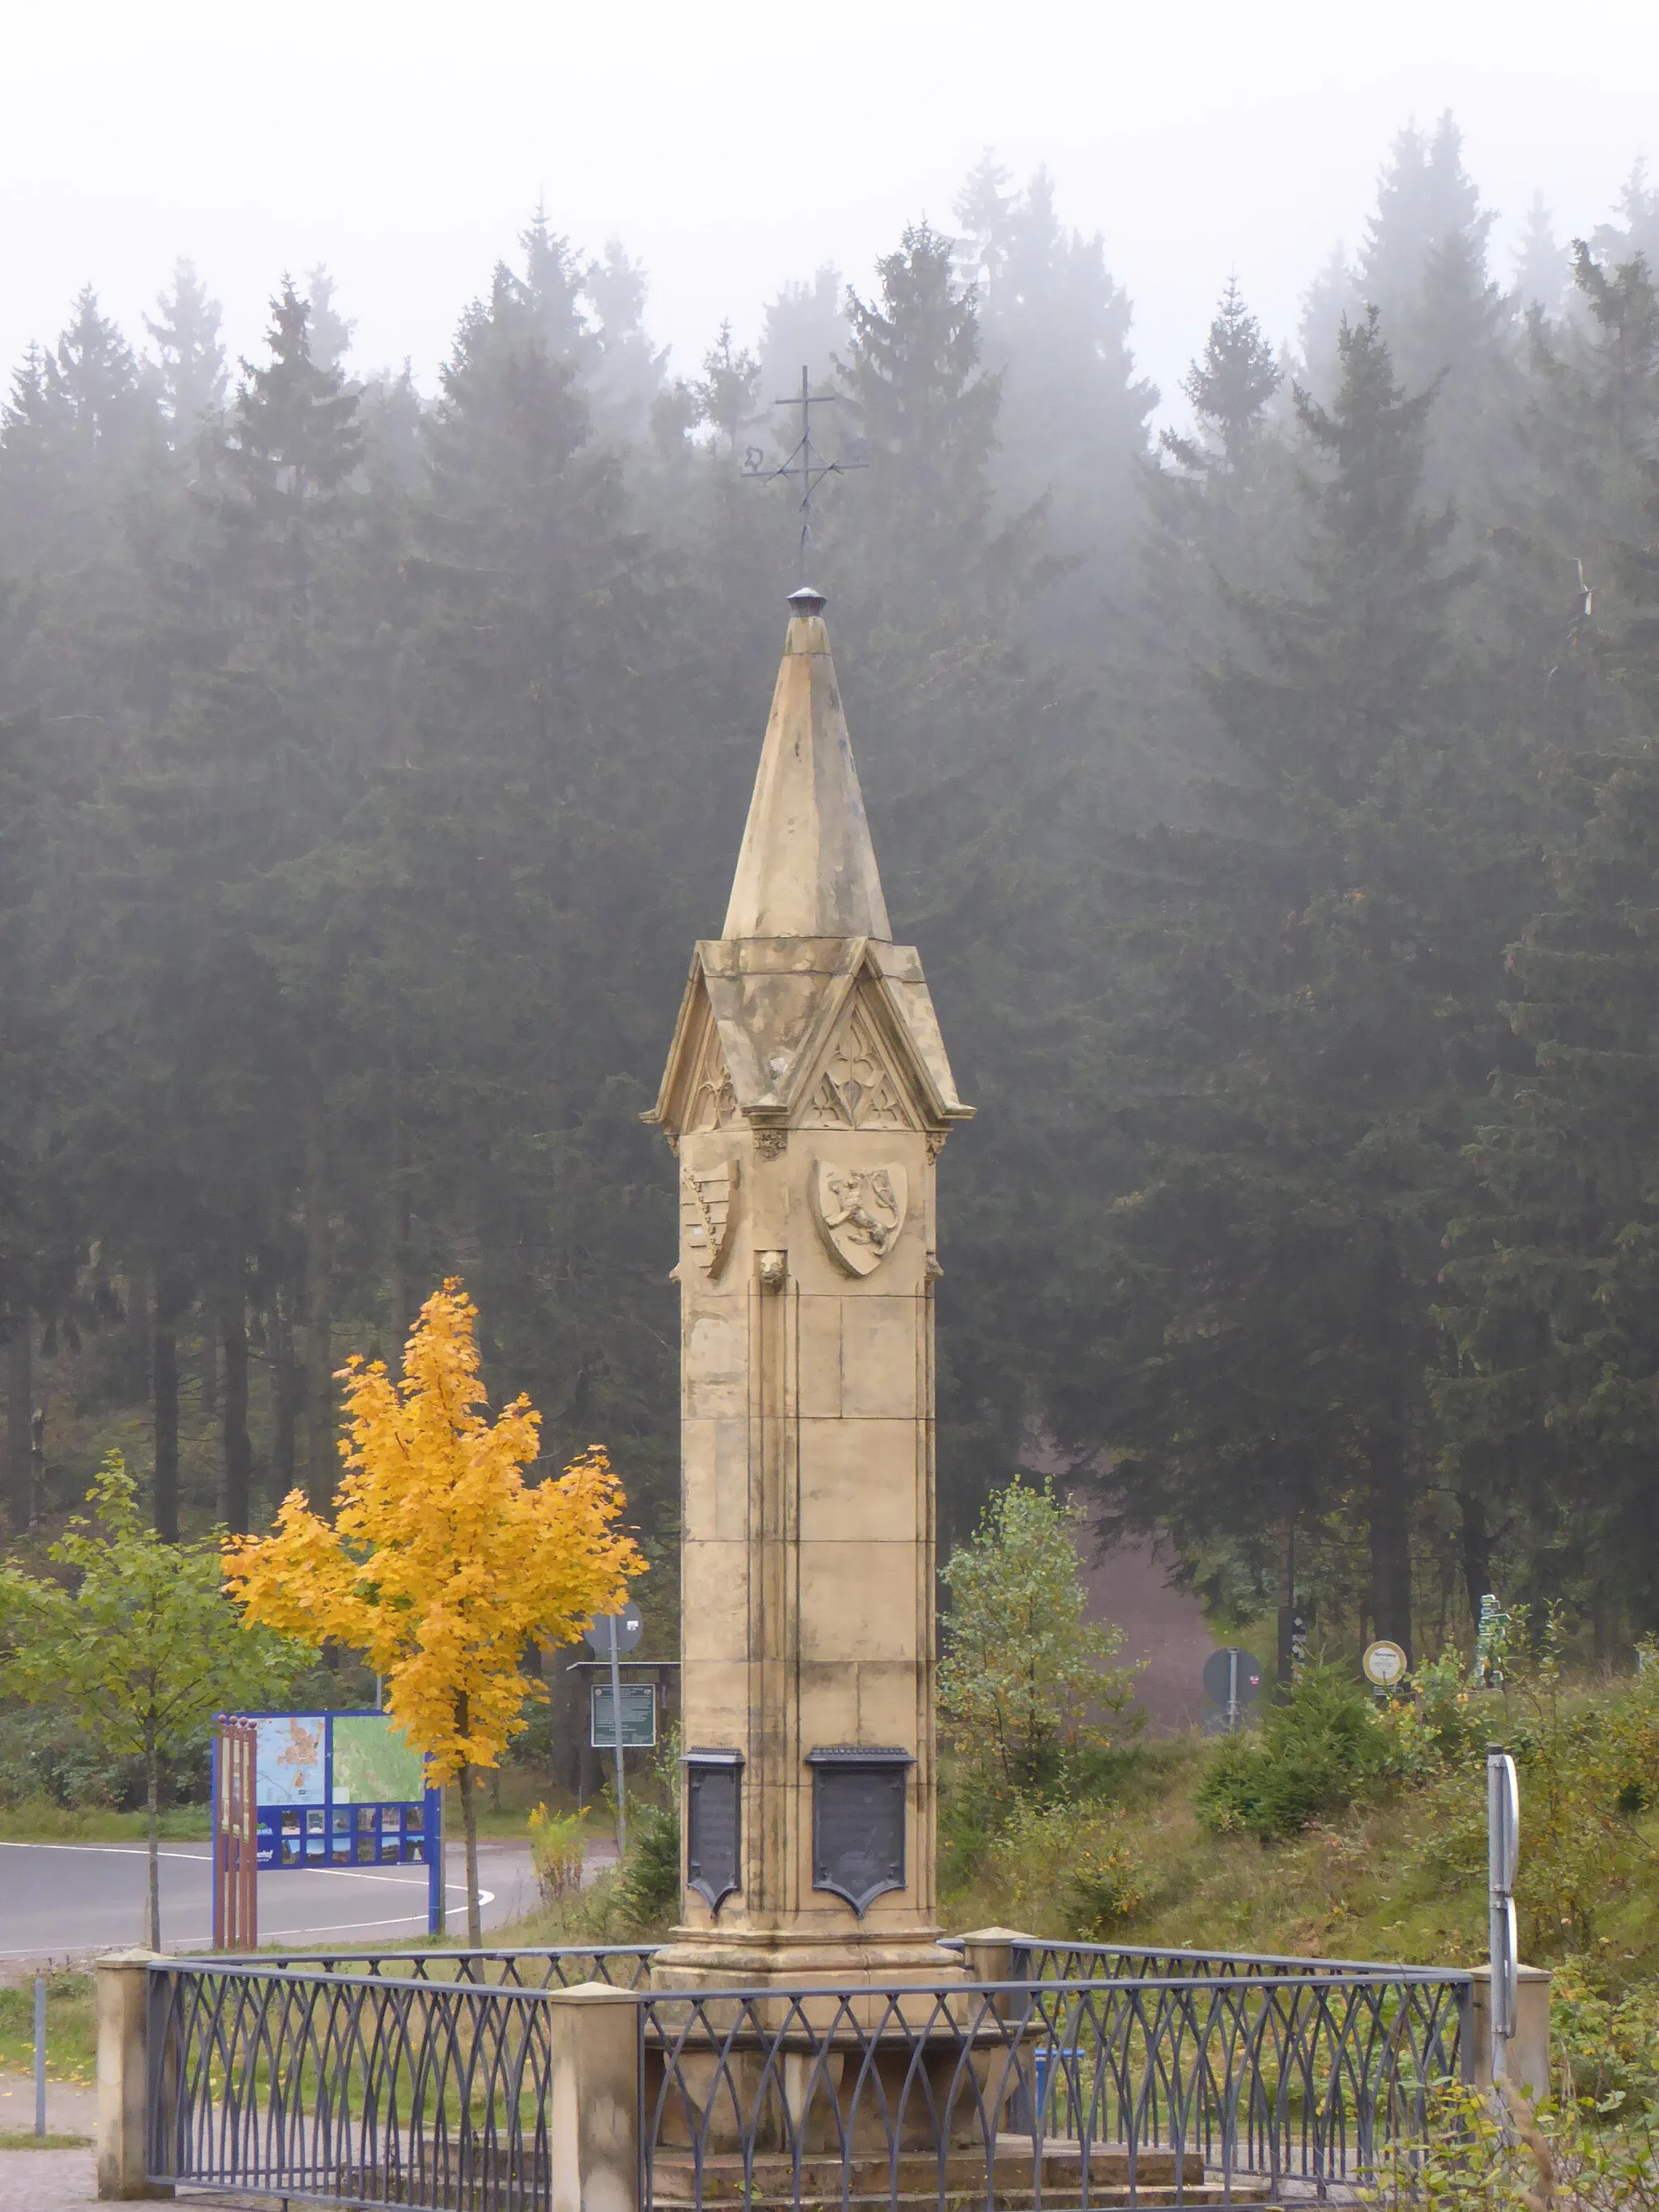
x,y
857,1089
714,1101
859,1212
708,1211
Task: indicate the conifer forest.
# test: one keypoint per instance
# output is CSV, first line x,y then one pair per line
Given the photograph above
x,y
1273,798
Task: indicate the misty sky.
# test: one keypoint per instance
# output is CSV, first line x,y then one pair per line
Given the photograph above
x,y
731,147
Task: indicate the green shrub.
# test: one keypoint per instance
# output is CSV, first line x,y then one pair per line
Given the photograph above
x,y
649,1892
558,1844
1066,1869
1316,1754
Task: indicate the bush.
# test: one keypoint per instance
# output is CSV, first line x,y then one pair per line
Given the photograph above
x,y
1518,2161
1317,1753
558,1842
1067,1868
649,1893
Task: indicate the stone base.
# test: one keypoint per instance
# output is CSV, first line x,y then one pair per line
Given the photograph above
x,y
760,1959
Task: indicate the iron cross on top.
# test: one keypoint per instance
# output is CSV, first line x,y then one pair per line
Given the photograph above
x,y
805,463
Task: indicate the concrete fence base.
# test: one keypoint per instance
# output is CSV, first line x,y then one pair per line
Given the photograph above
x,y
1528,2057
121,2007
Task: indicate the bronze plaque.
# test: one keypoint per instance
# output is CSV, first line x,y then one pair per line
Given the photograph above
x,y
857,1820
713,1824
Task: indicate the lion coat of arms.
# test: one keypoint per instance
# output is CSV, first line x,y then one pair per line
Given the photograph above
x,y
859,1212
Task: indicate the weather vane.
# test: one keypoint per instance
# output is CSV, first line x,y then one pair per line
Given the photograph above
x,y
805,463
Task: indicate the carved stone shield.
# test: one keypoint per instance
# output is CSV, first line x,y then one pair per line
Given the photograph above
x,y
859,1212
709,1213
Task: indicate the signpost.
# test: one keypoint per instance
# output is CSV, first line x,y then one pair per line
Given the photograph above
x,y
1503,1853
1232,1681
235,1835
639,1716
610,1636
1385,1663
319,1790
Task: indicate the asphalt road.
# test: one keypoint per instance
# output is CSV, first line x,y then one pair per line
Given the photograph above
x,y
65,1900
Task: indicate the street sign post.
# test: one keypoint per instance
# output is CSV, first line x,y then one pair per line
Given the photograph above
x,y
610,1636
1384,1663
1232,1681
1503,1854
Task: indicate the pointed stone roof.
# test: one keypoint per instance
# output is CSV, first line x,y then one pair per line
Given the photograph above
x,y
806,927
807,867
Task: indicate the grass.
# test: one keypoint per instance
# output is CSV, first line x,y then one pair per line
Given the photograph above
x,y
21,2139
41,1820
1378,1882
71,2030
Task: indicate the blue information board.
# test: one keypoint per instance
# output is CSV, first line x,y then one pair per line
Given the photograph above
x,y
345,1789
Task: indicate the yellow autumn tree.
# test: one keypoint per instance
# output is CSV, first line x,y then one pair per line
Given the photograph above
x,y
442,1566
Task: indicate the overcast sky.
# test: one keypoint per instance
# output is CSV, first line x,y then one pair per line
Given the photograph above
x,y
733,147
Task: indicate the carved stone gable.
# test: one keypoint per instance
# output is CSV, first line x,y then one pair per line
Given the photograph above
x,y
858,1089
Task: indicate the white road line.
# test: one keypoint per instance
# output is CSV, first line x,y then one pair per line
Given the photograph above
x,y
338,1928
203,1857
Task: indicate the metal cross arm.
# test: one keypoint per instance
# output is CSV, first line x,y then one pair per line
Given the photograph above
x,y
804,463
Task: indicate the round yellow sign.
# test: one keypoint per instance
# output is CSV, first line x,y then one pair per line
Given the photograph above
x,y
1384,1663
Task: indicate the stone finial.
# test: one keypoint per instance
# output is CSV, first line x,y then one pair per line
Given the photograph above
x,y
807,867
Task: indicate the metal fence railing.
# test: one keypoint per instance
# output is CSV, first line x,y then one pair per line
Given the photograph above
x,y
414,2089
1037,1961
625,1965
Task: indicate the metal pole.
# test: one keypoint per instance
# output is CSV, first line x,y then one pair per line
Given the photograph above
x,y
1503,1849
1232,1689
434,1861
40,2054
615,1719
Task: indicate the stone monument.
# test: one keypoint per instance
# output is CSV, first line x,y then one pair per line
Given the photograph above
x,y
807,1095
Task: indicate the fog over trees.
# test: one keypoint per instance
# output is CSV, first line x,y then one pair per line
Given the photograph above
x,y
1275,802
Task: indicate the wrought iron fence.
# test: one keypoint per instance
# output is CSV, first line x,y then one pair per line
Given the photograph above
x,y
406,2088
1038,1962
625,1965
1149,2091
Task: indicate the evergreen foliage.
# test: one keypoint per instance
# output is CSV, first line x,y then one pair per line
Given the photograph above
x,y
1272,804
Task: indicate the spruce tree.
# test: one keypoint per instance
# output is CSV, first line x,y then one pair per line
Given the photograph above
x,y
184,331
1302,1022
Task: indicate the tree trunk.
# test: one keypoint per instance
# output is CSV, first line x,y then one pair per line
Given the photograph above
x,y
136,1353
404,1301
1391,1553
164,1393
322,1462
153,1836
284,1398
1475,1543
468,1783
236,1497
20,1424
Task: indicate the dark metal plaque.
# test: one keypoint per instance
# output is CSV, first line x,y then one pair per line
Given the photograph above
x,y
857,1820
713,1816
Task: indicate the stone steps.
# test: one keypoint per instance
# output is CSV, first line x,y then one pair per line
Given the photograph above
x,y
827,2182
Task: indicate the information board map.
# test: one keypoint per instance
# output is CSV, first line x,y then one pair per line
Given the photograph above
x,y
338,1790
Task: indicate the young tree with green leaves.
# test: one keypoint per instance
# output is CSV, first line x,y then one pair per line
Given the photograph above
x,y
138,1642
1025,1681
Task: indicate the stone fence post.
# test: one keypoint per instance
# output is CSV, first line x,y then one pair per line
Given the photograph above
x,y
1529,2046
122,2012
593,2099
987,1954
